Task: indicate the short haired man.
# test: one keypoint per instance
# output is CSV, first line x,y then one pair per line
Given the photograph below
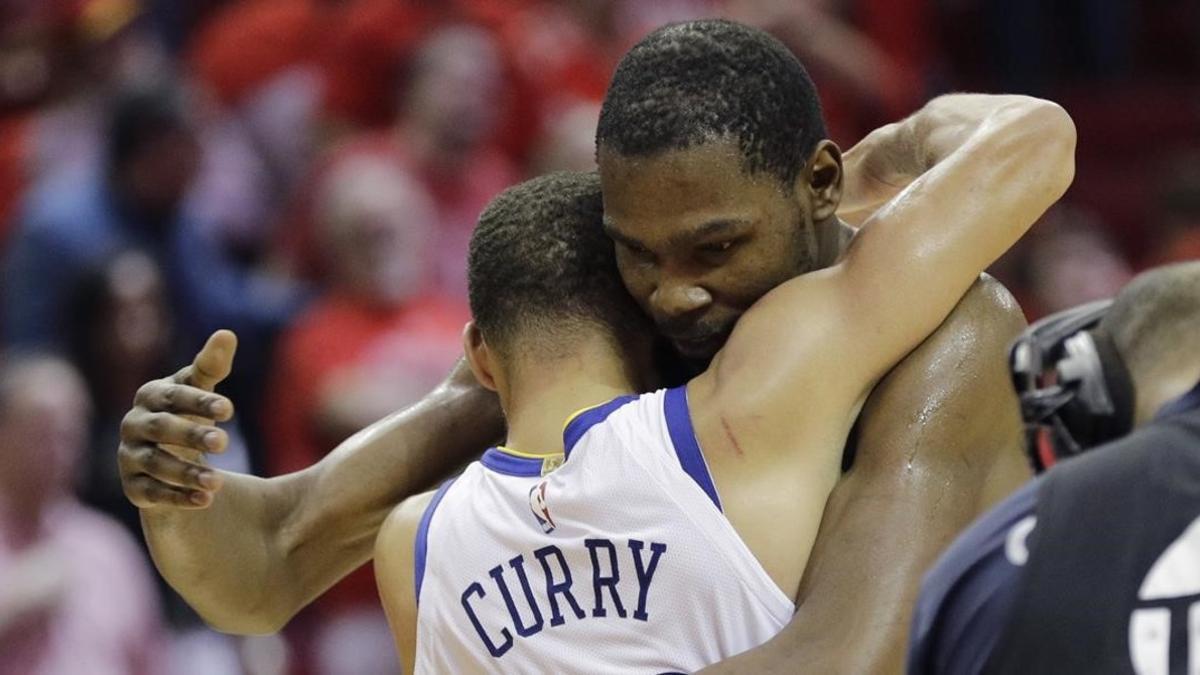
x,y
745,443
758,231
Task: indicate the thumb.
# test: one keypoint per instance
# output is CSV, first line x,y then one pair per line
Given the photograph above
x,y
214,361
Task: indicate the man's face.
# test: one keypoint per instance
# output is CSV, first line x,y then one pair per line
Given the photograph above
x,y
698,240
161,174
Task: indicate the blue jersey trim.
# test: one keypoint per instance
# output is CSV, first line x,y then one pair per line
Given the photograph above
x,y
421,545
687,448
511,465
589,418
1188,401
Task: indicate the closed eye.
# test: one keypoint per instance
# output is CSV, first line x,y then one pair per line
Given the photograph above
x,y
635,248
717,246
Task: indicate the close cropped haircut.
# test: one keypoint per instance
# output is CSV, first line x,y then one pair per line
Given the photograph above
x,y
691,83
1155,320
539,259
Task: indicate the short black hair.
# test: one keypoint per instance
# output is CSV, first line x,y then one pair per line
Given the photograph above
x,y
141,116
1155,319
539,258
700,81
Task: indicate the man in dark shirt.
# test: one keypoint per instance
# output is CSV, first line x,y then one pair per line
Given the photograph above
x,y
1094,566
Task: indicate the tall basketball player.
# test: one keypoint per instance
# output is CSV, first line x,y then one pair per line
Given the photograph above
x,y
925,464
656,544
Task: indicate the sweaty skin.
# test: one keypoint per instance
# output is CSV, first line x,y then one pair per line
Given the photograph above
x,y
331,514
772,445
928,462
247,553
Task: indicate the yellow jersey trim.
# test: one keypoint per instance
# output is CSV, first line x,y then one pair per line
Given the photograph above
x,y
527,455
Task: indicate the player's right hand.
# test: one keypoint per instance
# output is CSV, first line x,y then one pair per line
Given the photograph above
x,y
166,435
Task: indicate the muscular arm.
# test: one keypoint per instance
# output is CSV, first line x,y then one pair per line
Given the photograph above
x,y
778,400
257,550
940,441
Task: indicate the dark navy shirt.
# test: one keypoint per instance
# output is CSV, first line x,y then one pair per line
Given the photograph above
x,y
966,600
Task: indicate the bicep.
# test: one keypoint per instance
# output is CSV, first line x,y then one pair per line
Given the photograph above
x,y
939,441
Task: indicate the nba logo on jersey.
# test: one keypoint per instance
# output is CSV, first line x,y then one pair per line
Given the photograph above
x,y
537,504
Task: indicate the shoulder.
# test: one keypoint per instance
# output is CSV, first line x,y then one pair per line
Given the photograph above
x,y
400,527
960,369
398,564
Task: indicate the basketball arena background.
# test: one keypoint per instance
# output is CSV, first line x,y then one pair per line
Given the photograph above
x,y
301,118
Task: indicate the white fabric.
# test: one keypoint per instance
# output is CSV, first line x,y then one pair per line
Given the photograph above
x,y
707,598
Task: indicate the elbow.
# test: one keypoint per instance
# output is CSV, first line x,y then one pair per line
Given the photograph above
x,y
251,621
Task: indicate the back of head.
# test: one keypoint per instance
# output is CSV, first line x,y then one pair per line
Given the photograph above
x,y
1155,324
696,82
541,267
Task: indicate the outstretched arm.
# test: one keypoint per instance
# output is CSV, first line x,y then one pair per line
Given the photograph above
x,y
247,553
940,441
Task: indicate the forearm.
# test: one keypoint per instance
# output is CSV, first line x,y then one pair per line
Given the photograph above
x,y
266,548
226,560
899,152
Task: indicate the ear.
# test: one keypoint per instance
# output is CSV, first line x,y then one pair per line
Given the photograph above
x,y
479,356
822,180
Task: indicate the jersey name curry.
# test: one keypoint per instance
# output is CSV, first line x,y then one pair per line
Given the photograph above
x,y
540,591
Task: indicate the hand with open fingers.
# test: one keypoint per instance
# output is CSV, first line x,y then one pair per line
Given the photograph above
x,y
171,427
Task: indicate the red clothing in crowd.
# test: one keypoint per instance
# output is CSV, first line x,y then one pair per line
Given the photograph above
x,y
459,197
413,346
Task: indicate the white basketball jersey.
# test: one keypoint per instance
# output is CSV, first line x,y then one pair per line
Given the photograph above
x,y
617,561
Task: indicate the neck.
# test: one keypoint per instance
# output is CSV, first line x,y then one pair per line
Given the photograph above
x,y
543,392
833,236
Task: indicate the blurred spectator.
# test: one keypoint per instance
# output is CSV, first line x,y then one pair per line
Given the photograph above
x,y
447,126
375,342
119,336
1067,260
568,141
367,45
76,595
451,103
58,61
259,60
77,219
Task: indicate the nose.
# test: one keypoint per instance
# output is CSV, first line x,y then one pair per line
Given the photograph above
x,y
678,300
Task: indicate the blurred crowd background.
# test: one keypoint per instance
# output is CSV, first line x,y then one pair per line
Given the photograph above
x,y
308,172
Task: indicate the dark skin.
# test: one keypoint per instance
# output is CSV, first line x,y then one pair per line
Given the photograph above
x,y
698,241
857,547
927,464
